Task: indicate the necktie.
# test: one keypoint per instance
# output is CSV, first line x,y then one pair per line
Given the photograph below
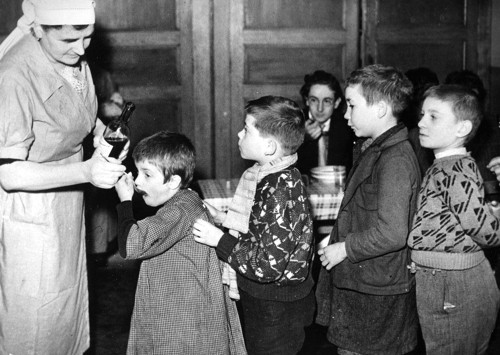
x,y
322,147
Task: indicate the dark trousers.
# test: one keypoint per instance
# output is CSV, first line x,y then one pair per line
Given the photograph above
x,y
275,327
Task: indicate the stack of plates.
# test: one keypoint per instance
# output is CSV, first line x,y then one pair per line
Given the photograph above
x,y
329,174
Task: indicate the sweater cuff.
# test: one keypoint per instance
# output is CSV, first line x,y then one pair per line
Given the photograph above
x,y
124,210
126,219
225,246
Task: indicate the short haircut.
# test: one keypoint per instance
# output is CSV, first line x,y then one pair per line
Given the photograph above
x,y
320,77
280,118
172,153
464,104
383,83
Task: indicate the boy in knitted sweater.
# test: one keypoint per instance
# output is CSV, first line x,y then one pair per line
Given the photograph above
x,y
457,295
273,249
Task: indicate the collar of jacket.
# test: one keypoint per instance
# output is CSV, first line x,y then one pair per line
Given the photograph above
x,y
392,136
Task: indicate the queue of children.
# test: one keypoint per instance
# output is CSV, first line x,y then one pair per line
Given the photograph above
x,y
402,256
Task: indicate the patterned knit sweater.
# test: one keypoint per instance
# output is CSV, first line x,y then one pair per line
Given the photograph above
x,y
273,258
453,223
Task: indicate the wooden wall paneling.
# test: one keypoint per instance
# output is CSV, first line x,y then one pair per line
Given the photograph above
x,y
202,115
185,57
141,45
443,35
222,90
237,54
483,47
273,44
10,12
131,15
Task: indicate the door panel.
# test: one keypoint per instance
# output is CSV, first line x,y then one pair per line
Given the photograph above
x,y
440,35
268,47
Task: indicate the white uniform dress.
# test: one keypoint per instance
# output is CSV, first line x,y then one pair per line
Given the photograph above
x,y
43,276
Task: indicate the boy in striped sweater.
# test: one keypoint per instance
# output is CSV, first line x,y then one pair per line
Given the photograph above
x,y
457,296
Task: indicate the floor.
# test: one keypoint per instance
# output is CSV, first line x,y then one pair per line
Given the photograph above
x,y
112,288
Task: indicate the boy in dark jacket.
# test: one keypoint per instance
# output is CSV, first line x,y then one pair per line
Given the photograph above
x,y
366,294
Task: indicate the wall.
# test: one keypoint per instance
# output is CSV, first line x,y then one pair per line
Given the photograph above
x,y
495,60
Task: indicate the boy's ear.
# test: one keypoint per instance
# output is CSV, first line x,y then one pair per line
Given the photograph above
x,y
464,129
382,108
272,147
174,182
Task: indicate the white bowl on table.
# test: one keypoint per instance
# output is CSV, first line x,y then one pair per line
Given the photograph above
x,y
329,174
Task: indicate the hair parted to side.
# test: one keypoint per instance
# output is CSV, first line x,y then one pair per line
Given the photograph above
x,y
383,83
321,77
280,118
172,153
464,103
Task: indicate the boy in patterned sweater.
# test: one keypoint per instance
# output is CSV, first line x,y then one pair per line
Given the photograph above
x,y
457,295
180,306
273,248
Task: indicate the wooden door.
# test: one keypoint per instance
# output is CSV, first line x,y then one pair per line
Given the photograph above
x,y
159,53
264,47
444,35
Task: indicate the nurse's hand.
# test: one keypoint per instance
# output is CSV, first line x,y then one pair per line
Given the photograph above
x,y
102,171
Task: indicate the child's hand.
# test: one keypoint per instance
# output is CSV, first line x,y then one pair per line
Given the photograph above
x,y
332,255
217,215
125,187
206,233
494,166
494,208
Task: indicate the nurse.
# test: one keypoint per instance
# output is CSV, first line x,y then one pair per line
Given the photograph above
x,y
47,107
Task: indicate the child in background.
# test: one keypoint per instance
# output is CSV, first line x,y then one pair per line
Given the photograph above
x,y
365,293
270,210
457,295
181,306
328,139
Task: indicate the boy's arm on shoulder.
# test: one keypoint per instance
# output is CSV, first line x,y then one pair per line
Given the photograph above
x,y
276,241
397,179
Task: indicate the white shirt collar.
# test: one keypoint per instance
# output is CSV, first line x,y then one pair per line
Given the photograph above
x,y
450,152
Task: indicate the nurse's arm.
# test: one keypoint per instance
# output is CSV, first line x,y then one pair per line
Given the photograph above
x,y
30,176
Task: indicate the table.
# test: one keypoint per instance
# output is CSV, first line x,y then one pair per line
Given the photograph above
x,y
325,199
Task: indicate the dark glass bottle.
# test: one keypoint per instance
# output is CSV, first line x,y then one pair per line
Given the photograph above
x,y
117,132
